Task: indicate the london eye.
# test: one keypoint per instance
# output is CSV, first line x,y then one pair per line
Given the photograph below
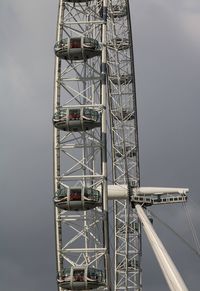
x,y
99,203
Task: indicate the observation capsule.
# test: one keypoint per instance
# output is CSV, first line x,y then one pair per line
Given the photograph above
x,y
129,152
77,48
121,79
119,43
118,11
81,278
75,198
76,119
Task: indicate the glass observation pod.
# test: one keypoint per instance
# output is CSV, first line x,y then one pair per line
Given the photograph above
x,y
118,11
75,198
130,152
76,119
119,43
81,278
121,79
124,114
77,48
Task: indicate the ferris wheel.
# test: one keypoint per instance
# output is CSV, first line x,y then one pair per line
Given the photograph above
x,y
98,197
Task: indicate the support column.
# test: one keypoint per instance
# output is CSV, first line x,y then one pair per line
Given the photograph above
x,y
170,272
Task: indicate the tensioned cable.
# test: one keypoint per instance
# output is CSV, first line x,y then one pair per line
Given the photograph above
x,y
175,233
194,202
193,230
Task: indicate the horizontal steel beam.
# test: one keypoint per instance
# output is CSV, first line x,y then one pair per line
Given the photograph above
x,y
121,191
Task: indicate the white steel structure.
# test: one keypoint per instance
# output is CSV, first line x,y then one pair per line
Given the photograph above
x,y
125,150
80,165
95,91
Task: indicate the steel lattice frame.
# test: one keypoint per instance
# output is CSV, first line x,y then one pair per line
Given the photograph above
x,y
82,238
79,157
125,153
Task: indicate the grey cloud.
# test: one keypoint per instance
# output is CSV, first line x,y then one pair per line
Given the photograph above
x,y
167,75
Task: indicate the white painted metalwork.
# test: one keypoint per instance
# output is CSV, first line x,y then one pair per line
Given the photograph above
x,y
95,109
79,155
121,192
125,151
170,272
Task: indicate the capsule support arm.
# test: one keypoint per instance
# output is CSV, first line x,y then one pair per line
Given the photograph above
x,y
121,191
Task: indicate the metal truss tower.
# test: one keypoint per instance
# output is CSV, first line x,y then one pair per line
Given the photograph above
x,y
125,149
94,110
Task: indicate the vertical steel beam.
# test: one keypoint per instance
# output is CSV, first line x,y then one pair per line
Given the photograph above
x,y
125,148
56,152
104,141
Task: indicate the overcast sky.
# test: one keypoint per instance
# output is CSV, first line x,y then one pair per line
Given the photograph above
x,y
166,38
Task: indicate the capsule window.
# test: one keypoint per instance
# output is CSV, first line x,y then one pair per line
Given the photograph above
x,y
62,192
61,44
62,113
96,193
95,115
95,275
90,43
59,114
90,114
88,194
91,194
87,113
78,275
64,275
75,195
75,43
92,274
74,114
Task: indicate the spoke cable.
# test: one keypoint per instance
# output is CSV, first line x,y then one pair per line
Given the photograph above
x,y
197,252
193,230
